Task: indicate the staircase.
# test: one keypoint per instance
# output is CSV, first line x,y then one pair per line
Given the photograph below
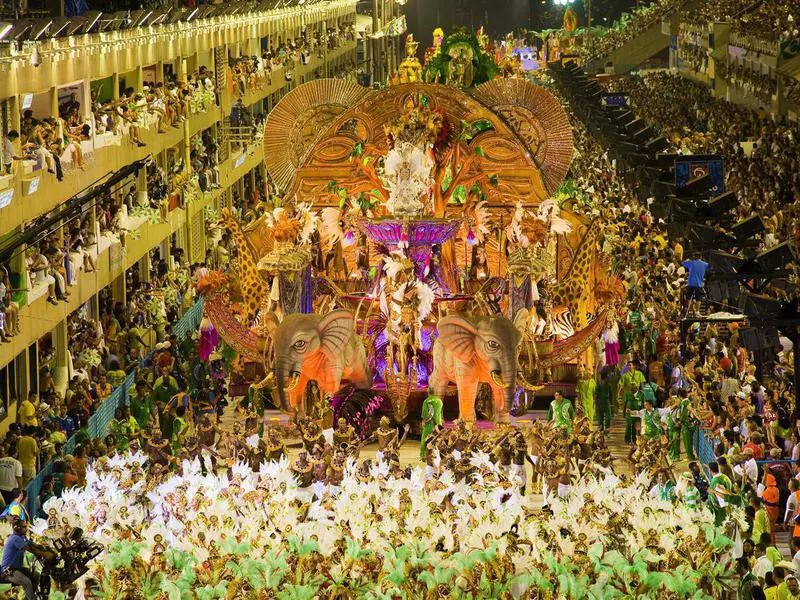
x,y
789,60
634,52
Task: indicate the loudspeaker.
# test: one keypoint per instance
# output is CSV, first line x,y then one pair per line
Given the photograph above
x,y
698,186
724,203
777,257
657,144
749,228
760,306
722,262
642,135
624,117
762,338
715,291
634,125
749,339
768,337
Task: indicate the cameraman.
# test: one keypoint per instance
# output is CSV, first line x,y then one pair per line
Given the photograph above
x,y
11,569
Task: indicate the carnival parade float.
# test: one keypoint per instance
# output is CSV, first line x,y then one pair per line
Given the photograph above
x,y
418,250
417,245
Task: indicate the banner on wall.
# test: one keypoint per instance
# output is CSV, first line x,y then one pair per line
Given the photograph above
x,y
615,99
694,166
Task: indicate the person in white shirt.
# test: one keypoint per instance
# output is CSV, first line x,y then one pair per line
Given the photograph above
x,y
10,474
748,469
763,565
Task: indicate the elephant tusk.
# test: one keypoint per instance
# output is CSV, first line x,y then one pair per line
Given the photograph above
x,y
527,384
264,382
292,383
498,380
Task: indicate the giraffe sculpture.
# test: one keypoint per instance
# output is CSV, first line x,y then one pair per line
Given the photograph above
x,y
254,287
574,290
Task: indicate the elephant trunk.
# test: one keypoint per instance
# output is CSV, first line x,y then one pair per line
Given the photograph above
x,y
508,397
506,377
284,384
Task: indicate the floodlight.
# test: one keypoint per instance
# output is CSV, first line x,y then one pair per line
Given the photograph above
x,y
159,18
38,29
760,306
109,23
60,27
776,258
91,19
119,20
175,15
138,18
724,263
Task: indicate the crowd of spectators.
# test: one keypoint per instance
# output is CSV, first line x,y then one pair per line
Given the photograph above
x,y
709,11
103,350
766,178
756,26
748,412
771,22
253,72
630,26
66,142
762,86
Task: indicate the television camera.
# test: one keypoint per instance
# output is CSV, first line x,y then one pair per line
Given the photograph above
x,y
64,560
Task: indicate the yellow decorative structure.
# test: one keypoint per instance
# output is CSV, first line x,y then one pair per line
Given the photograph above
x,y
410,70
253,285
528,145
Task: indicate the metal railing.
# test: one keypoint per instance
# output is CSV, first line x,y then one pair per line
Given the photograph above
x,y
98,422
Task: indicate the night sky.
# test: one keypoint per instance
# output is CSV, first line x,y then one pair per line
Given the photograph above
x,y
501,16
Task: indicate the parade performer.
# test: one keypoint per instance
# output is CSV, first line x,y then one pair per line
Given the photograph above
x,y
688,492
604,393
585,388
561,412
671,415
629,384
343,434
688,424
664,489
431,420
720,491
650,418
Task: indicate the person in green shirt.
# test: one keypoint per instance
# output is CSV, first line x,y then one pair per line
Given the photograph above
x,y
431,420
689,493
650,418
719,492
561,412
664,489
773,554
688,424
141,405
115,375
165,387
629,384
648,391
747,580
179,428
671,416
585,389
761,521
604,392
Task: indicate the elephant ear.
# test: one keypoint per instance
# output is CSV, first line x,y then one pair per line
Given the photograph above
x,y
458,335
269,322
335,329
